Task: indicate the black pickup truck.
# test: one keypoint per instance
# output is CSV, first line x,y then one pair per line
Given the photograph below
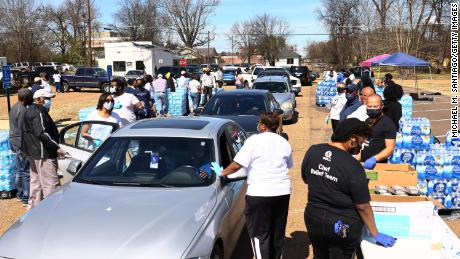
x,y
87,77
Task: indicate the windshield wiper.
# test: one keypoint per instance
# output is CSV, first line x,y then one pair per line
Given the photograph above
x,y
142,184
83,180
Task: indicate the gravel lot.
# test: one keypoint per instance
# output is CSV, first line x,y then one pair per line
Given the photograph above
x,y
310,129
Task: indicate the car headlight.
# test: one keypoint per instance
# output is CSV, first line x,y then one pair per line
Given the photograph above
x,y
286,105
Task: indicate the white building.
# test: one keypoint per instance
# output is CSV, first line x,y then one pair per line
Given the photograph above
x,y
288,57
140,55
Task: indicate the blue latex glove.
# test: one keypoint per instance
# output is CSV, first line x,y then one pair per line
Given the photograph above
x,y
370,163
384,240
97,142
216,168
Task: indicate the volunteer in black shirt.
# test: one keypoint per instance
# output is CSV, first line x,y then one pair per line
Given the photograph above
x,y
391,106
338,195
382,143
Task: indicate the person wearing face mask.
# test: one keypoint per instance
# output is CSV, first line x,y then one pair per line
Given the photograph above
x,y
337,104
40,144
267,157
382,143
97,133
125,103
338,194
352,104
361,112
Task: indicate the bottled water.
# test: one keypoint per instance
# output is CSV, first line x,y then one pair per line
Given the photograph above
x,y
399,140
7,163
422,186
430,172
452,142
406,103
430,186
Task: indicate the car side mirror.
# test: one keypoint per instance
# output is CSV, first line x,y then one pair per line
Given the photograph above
x,y
279,111
197,111
74,166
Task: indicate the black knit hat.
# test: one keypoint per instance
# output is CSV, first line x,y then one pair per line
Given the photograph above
x,y
347,128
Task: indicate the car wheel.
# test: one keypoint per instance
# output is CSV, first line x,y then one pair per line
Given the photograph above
x,y
65,87
105,88
217,252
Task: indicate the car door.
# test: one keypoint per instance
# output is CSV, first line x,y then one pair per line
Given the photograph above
x,y
91,78
232,139
76,146
274,105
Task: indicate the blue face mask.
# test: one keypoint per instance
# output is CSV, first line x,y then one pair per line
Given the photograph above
x,y
47,104
350,97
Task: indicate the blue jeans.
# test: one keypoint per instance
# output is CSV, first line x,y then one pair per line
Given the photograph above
x,y
59,87
161,105
195,99
22,178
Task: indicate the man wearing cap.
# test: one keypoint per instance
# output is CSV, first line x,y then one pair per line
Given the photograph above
x,y
338,194
159,86
208,82
183,81
361,112
352,104
39,143
22,178
383,141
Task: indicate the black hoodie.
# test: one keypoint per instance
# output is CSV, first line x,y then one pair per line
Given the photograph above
x,y
393,110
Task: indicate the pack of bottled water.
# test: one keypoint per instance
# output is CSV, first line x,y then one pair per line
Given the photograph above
x,y
7,163
403,156
452,142
406,103
325,91
414,126
177,101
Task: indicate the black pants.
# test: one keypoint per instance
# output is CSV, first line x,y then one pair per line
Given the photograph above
x,y
334,123
266,219
326,243
207,93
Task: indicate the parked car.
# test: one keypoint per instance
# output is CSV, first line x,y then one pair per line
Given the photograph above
x,y
55,65
87,77
242,106
141,195
296,86
39,64
67,67
169,69
280,87
228,75
303,73
314,75
194,71
134,74
26,77
21,65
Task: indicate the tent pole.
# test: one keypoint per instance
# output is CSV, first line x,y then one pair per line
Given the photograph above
x,y
416,83
379,72
431,79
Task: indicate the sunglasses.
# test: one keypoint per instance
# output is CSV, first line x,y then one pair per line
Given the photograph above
x,y
109,100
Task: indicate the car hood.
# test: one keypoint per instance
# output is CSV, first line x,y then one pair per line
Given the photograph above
x,y
282,97
247,122
93,221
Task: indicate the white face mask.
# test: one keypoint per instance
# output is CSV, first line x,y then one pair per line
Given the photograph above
x,y
113,90
108,106
47,104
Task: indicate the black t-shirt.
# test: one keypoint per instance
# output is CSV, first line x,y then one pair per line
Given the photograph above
x,y
394,111
336,180
384,129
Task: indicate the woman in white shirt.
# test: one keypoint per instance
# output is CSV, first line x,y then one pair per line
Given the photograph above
x,y
267,157
337,104
194,88
97,133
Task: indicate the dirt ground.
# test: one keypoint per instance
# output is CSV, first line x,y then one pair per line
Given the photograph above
x,y
310,129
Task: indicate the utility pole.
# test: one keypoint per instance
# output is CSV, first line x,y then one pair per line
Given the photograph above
x,y
90,51
207,57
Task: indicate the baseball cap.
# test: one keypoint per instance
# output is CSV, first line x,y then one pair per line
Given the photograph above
x,y
42,93
351,87
160,76
37,79
347,128
182,72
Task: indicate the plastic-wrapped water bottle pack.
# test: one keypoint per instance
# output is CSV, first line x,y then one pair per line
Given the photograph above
x,y
406,103
325,91
7,163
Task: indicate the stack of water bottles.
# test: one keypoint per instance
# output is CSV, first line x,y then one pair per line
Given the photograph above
x,y
325,91
413,136
406,103
177,101
7,164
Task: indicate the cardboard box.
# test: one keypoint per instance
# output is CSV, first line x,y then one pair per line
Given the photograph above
x,y
404,216
392,174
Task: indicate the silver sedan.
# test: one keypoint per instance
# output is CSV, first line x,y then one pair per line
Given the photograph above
x,y
147,192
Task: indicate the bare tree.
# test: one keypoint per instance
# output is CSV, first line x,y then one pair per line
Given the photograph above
x,y
383,6
242,35
189,19
139,20
271,35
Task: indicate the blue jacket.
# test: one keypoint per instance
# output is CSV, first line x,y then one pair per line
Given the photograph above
x,y
349,108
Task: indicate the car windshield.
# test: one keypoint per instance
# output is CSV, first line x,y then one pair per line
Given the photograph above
x,y
300,69
150,162
257,70
229,71
100,71
274,87
134,72
235,105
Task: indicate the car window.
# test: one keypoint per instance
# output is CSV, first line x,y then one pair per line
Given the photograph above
x,y
100,72
150,161
69,136
273,87
226,153
257,70
237,137
233,105
300,69
80,72
87,135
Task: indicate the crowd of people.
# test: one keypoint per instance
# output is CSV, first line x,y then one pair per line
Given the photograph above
x,y
364,130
